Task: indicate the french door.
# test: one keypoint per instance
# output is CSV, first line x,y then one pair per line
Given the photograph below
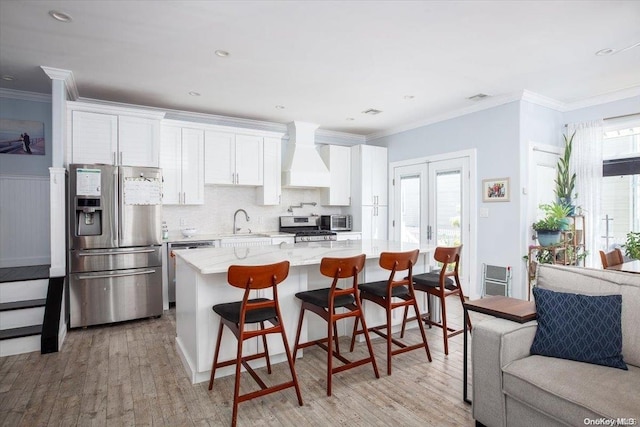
x,y
431,206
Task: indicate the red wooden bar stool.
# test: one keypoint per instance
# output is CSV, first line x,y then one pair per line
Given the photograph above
x,y
236,315
441,285
324,303
391,294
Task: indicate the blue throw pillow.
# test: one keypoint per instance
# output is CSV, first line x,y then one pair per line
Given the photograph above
x,y
578,327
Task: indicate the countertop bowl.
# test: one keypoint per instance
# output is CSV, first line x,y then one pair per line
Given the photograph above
x,y
189,232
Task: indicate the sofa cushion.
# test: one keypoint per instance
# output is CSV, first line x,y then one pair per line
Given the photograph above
x,y
590,281
584,328
572,391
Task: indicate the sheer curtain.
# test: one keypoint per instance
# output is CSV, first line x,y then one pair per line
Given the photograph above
x,y
586,162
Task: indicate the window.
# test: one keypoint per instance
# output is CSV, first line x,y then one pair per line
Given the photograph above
x,y
620,203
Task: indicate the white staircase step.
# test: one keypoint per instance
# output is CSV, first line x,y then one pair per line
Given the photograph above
x,y
23,290
23,317
12,346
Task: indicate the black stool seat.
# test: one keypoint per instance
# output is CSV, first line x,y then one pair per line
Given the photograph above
x,y
433,280
380,289
320,298
231,312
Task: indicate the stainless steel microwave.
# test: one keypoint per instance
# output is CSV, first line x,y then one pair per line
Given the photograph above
x,y
336,222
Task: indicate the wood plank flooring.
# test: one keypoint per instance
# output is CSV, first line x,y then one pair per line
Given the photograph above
x,y
130,374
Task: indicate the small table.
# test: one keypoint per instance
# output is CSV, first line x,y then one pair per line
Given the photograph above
x,y
629,266
513,309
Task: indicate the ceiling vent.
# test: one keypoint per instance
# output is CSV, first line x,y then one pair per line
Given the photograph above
x,y
371,111
478,97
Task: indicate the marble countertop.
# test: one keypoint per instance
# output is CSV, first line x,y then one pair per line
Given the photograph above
x,y
218,260
176,236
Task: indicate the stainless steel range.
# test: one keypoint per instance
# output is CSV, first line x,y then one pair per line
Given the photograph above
x,y
306,229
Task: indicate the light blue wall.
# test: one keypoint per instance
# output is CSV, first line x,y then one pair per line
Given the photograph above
x,y
495,134
13,164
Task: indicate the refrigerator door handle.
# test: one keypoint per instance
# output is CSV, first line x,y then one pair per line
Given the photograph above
x,y
141,251
109,276
117,198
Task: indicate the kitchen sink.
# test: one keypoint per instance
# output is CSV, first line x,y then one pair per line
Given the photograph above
x,y
242,235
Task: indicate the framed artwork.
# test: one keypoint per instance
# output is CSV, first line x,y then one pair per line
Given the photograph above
x,y
495,190
21,137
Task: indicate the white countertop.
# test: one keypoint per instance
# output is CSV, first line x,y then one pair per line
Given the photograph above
x,y
218,260
176,236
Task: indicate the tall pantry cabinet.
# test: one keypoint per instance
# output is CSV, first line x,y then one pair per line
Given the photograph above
x,y
369,205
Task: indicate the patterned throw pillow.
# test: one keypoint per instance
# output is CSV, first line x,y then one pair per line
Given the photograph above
x,y
578,327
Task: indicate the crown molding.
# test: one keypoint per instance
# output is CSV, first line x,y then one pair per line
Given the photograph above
x,y
605,98
67,76
525,95
25,96
342,138
482,105
235,122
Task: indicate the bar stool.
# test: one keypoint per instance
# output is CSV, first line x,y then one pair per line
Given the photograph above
x,y
324,303
391,294
236,315
440,285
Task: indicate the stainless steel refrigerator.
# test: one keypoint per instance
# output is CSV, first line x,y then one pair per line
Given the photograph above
x,y
115,262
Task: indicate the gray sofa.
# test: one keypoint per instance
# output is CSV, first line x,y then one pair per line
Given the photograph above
x,y
513,388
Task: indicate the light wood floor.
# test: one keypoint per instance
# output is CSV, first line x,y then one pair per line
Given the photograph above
x,y
130,374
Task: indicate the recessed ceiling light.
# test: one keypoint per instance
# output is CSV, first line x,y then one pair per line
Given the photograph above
x,y
409,97
60,16
280,107
371,111
350,119
8,78
194,93
478,97
605,52
222,53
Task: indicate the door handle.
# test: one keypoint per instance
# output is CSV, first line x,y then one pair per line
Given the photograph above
x,y
429,232
108,276
141,251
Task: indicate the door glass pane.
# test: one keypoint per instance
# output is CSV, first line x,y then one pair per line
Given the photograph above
x,y
620,209
448,204
410,209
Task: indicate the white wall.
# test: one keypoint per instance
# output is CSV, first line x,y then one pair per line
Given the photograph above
x,y
216,215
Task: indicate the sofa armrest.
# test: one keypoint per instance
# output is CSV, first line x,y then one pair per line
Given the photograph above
x,y
495,344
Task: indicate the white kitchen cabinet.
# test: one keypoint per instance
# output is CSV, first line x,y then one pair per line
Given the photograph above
x,y
369,172
114,136
94,137
369,191
233,159
182,162
271,190
338,161
138,141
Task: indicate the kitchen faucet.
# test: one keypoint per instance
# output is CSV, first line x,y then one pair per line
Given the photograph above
x,y
246,217
301,205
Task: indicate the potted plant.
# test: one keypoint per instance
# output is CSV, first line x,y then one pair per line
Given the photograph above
x,y
565,181
632,245
548,229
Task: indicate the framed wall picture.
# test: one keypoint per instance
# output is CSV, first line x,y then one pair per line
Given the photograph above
x,y
495,190
21,137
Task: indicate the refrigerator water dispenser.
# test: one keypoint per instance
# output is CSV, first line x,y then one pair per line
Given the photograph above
x,y
88,217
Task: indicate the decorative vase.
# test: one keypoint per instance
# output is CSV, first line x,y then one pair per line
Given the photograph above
x,y
548,237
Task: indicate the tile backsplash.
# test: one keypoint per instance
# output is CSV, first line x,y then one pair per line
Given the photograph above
x,y
221,202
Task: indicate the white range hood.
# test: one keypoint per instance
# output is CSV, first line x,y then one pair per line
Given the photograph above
x,y
303,166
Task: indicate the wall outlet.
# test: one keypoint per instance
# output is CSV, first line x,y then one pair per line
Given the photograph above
x,y
182,222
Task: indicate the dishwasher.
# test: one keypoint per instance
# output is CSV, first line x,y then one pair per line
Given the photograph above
x,y
171,262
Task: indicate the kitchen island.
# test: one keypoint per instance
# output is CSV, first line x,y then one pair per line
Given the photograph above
x,y
201,282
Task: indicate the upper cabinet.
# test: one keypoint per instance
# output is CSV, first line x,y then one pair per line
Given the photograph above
x,y
110,135
233,159
271,190
338,161
182,163
369,172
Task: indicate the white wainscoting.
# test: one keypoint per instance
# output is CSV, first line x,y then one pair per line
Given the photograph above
x,y
24,220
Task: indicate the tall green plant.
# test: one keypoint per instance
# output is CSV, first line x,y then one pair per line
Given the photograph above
x,y
565,181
